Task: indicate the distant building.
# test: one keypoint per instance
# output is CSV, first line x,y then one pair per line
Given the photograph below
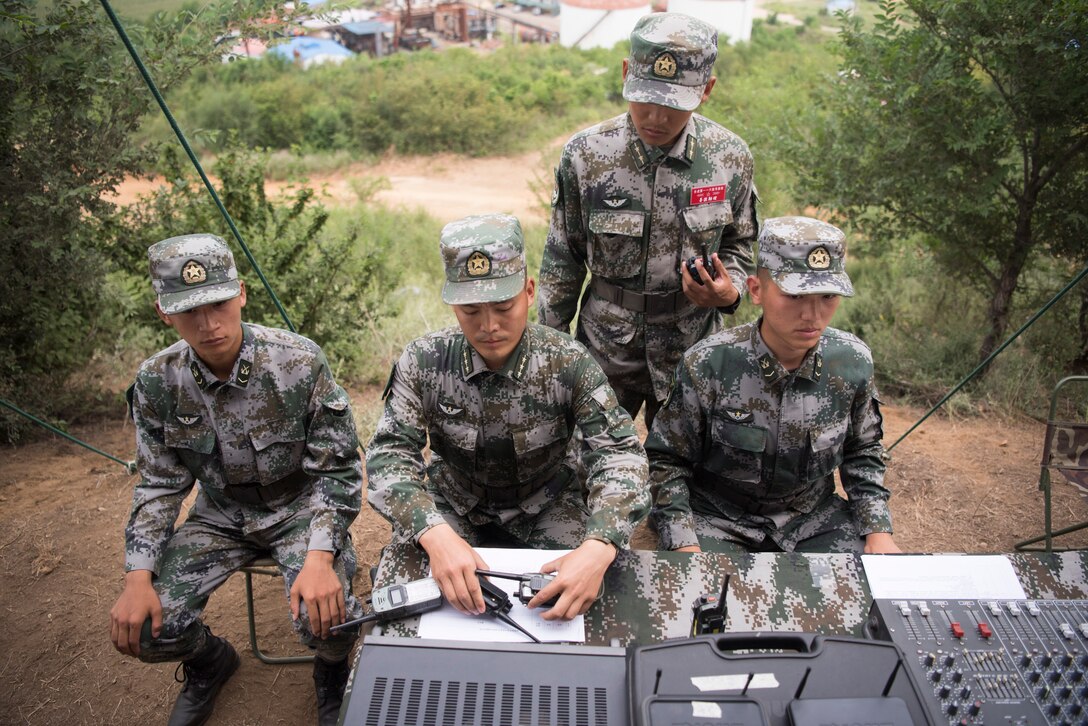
x,y
374,37
598,23
732,18
307,51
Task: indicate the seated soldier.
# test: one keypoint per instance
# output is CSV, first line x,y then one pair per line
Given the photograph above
x,y
254,414
500,400
743,455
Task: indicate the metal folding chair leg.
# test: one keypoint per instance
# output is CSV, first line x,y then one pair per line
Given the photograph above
x,y
264,566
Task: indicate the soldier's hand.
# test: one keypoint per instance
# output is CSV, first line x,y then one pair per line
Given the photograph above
x,y
319,588
137,603
881,543
578,579
712,293
453,566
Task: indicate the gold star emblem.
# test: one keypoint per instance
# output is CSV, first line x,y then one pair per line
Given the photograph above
x,y
819,259
665,66
477,264
193,273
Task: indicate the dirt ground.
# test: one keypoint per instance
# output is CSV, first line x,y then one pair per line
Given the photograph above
x,y
447,185
958,485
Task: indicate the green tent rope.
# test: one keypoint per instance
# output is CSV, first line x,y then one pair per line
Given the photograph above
x,y
192,157
130,466
1038,314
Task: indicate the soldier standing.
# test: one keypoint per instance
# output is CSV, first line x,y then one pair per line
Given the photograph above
x,y
744,452
635,198
254,414
499,400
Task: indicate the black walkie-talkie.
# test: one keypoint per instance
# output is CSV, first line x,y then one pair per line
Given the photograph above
x,y
709,612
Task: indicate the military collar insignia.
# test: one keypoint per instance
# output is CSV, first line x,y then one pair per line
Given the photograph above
x,y
817,366
737,415
819,259
767,367
188,419
448,409
522,364
198,375
689,149
616,202
193,273
245,368
641,159
466,359
478,264
665,66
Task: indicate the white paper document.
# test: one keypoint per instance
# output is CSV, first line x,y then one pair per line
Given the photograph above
x,y
942,577
448,624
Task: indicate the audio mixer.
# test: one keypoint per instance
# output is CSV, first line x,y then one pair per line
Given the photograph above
x,y
1009,662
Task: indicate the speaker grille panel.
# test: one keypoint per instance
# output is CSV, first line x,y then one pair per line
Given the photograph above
x,y
415,702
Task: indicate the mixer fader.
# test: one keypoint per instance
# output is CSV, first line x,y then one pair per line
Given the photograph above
x,y
993,661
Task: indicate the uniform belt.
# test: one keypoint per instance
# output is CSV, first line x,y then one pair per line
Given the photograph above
x,y
639,302
503,496
758,505
255,493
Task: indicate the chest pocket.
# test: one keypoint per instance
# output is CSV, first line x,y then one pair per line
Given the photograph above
x,y
455,442
540,448
703,228
615,249
825,449
278,448
193,444
735,451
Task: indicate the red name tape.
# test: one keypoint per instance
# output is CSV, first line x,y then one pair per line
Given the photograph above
x,y
706,195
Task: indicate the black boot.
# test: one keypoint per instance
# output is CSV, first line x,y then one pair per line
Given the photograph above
x,y
330,679
204,676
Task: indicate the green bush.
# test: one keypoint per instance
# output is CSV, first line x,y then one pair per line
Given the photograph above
x,y
331,282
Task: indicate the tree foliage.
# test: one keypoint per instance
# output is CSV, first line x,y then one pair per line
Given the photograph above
x,y
963,123
71,103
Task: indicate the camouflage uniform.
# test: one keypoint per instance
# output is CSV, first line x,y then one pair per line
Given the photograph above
x,y
505,460
743,454
275,452
632,213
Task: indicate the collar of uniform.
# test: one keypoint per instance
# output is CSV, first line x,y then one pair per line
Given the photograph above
x,y
772,371
643,155
243,367
686,147
472,363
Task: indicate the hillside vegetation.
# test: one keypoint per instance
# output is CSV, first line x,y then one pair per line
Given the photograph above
x,y
359,279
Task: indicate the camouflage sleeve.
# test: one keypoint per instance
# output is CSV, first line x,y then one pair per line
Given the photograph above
x,y
735,250
862,470
164,481
563,267
332,458
394,458
673,447
614,461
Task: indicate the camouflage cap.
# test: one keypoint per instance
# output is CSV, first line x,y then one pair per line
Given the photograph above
x,y
485,259
192,270
804,256
672,59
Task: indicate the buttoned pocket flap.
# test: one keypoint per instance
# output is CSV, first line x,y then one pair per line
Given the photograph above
x,y
282,431
198,438
706,217
745,438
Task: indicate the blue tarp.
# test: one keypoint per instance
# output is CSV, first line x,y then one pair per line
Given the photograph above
x,y
310,49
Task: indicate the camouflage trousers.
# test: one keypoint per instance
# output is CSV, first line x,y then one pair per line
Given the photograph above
x,y
632,400
203,553
560,525
830,527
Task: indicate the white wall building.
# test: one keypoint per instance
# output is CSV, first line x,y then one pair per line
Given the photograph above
x,y
732,18
598,23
